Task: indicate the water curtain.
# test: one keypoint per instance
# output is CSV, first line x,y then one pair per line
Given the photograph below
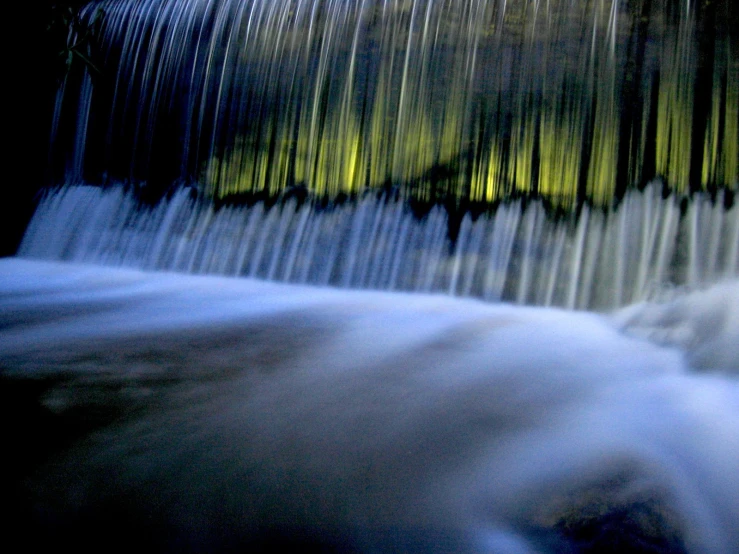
x,y
474,100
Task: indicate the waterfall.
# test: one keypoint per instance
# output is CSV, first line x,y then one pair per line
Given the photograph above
x,y
495,149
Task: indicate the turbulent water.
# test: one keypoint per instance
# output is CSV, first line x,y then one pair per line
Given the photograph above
x,y
210,414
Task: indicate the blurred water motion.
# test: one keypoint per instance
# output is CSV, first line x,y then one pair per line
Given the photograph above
x,y
207,414
468,100
519,252
193,413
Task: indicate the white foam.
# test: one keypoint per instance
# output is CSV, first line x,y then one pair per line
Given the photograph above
x,y
703,323
284,407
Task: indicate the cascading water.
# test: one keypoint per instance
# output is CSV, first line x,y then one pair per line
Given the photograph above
x,y
596,260
572,153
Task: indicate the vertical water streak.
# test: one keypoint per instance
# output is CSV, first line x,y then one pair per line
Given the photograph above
x,y
505,226
460,251
255,217
590,291
554,271
731,267
288,211
358,240
532,220
473,256
433,250
296,243
400,253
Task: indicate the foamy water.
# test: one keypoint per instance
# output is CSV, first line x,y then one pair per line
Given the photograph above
x,y
205,414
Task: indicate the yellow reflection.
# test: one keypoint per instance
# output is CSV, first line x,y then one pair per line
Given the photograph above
x,y
392,92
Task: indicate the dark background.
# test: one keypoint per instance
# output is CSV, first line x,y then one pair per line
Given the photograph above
x,y
35,42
